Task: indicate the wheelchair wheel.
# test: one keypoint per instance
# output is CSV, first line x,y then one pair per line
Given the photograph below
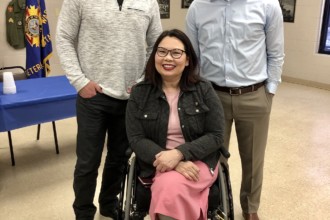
x,y
121,197
226,200
129,189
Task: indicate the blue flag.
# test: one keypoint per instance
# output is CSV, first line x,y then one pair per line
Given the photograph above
x,y
38,40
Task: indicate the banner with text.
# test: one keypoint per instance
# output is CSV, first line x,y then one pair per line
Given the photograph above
x,y
38,40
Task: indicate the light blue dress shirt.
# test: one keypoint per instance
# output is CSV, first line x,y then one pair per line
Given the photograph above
x,y
238,42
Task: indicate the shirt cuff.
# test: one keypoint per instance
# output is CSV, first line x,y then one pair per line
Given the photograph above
x,y
271,87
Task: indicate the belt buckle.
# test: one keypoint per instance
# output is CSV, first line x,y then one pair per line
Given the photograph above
x,y
235,89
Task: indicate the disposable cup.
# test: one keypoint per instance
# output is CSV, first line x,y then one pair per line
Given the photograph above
x,y
9,86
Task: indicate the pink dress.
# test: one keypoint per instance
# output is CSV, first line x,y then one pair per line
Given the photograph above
x,y
172,194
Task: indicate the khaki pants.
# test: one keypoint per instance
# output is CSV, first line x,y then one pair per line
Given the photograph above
x,y
250,112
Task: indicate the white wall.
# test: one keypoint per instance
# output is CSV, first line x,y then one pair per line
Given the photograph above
x,y
302,62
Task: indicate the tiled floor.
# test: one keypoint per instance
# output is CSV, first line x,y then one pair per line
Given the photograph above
x,y
297,168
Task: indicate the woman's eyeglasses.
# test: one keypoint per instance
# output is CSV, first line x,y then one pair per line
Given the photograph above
x,y
175,53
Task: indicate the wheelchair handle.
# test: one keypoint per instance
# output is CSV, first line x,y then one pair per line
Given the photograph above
x,y
224,152
129,152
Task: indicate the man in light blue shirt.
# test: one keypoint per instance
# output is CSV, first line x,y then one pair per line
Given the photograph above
x,y
240,45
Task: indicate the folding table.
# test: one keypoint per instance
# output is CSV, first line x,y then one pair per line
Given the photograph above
x,y
37,101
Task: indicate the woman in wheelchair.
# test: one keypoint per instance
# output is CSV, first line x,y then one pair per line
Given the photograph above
x,y
175,125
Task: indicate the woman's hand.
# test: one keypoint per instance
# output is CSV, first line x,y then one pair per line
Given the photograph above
x,y
167,160
189,170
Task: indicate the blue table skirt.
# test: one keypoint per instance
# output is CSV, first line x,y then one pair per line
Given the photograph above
x,y
37,101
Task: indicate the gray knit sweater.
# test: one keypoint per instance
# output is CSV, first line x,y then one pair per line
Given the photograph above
x,y
97,41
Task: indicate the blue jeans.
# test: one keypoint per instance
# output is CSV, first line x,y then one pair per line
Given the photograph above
x,y
97,117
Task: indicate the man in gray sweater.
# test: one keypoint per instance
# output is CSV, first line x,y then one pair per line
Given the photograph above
x,y
103,46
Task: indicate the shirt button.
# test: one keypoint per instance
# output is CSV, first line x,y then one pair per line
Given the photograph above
x,y
146,116
182,126
179,109
196,103
197,110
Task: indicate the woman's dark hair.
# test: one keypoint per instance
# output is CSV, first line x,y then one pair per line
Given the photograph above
x,y
190,73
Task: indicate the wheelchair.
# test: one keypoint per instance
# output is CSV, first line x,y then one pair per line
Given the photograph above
x,y
134,198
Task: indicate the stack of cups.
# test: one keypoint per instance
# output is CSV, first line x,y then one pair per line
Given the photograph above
x,y
9,86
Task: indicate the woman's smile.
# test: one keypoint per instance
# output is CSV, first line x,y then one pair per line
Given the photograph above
x,y
168,67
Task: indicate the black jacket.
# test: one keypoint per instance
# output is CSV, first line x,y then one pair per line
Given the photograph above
x,y
201,119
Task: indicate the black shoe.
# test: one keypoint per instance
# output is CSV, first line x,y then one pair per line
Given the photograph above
x,y
112,213
138,215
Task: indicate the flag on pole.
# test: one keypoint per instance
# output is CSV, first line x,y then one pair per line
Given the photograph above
x,y
38,40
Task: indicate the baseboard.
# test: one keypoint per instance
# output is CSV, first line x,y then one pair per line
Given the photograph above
x,y
306,82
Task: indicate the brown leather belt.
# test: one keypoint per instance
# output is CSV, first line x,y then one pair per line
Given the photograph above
x,y
238,90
